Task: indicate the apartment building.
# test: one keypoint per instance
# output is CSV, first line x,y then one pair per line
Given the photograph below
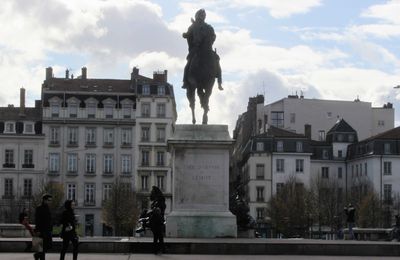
x,y
97,130
21,154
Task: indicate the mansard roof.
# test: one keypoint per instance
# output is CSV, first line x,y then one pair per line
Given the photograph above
x,y
392,134
89,85
273,131
342,126
14,114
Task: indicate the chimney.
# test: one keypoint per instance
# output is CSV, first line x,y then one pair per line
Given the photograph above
x,y
84,73
307,131
135,73
21,102
67,74
160,77
49,73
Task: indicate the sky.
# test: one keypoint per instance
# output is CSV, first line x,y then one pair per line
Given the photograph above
x,y
328,49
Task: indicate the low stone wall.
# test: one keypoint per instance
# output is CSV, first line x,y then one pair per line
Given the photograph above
x,y
370,234
13,230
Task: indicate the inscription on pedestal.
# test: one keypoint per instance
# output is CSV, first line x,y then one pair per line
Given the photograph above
x,y
200,180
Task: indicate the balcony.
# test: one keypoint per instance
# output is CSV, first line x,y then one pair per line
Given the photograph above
x,y
90,145
28,165
89,203
108,145
9,165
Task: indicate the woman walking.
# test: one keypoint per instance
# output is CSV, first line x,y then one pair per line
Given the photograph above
x,y
68,231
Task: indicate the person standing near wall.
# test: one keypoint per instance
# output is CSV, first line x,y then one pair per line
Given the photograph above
x,y
44,226
350,213
68,231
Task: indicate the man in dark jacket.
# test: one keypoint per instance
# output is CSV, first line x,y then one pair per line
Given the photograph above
x,y
44,225
350,213
157,227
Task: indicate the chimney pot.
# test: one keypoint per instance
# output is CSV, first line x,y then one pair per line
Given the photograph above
x,y
49,73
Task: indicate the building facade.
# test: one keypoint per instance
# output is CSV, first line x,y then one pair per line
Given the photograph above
x,y
293,112
21,152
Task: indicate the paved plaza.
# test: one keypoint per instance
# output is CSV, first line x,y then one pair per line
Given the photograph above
x,y
52,256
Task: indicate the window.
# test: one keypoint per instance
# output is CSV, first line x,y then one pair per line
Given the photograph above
x,y
27,188
351,138
54,135
126,136
126,110
144,180
387,148
381,123
292,118
90,163
280,165
279,146
55,109
72,135
146,90
161,110
160,134
109,111
28,128
90,136
28,158
71,191
91,110
260,193
356,170
387,193
321,135
72,166
54,162
145,109
260,146
90,195
279,187
340,137
325,154
108,163
340,153
340,173
260,213
8,188
299,147
145,158
260,172
387,168
160,182
145,133
126,164
108,136
329,114
161,90
107,188
10,128
365,169
325,172
299,165
277,119
9,158
160,158
73,110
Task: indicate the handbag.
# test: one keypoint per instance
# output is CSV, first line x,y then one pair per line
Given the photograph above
x,y
37,244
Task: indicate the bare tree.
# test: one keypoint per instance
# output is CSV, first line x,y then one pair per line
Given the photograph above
x,y
289,209
370,212
120,210
56,190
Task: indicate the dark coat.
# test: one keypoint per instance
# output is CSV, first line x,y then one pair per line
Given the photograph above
x,y
44,225
350,212
156,222
68,219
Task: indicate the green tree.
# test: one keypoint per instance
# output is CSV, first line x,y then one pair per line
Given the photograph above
x,y
120,210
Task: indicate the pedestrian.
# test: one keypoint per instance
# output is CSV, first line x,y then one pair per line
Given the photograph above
x,y
44,226
157,227
350,213
24,220
68,231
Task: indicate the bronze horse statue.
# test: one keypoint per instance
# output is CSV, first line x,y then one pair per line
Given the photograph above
x,y
203,64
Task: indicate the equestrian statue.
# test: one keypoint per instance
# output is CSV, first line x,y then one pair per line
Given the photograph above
x,y
202,65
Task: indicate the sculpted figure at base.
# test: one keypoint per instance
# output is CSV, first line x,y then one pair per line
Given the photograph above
x,y
202,65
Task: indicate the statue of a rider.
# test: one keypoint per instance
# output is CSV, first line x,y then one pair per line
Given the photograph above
x,y
199,32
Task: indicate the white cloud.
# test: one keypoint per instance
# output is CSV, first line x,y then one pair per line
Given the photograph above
x,y
281,8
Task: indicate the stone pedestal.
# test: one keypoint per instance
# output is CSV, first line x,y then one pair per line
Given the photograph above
x,y
200,161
